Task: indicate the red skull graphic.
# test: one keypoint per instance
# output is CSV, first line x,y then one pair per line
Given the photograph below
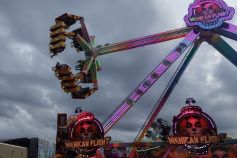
x,y
193,126
85,131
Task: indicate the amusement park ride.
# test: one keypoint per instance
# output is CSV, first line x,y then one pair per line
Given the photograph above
x,y
206,22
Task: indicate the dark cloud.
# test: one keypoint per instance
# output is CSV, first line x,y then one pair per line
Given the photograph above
x,y
30,95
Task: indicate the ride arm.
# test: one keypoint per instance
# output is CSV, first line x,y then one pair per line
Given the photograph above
x,y
168,90
149,81
224,48
228,30
165,95
143,41
84,44
85,33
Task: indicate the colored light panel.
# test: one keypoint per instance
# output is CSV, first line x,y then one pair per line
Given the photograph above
x,y
143,41
159,70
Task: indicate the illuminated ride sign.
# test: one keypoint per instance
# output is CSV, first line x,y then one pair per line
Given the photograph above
x,y
195,130
86,135
87,143
193,140
208,14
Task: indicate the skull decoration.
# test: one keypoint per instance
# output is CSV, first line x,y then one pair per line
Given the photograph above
x,y
193,126
193,122
207,8
86,128
85,131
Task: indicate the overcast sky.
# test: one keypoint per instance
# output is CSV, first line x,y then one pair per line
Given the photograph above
x,y
30,94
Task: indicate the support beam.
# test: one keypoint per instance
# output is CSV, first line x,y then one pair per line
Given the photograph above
x,y
167,152
168,90
166,93
87,65
224,48
143,41
228,30
85,33
86,46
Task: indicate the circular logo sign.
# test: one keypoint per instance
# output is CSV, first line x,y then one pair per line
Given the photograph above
x,y
195,129
86,135
208,14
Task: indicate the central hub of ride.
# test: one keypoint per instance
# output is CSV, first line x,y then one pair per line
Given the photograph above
x,y
208,14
